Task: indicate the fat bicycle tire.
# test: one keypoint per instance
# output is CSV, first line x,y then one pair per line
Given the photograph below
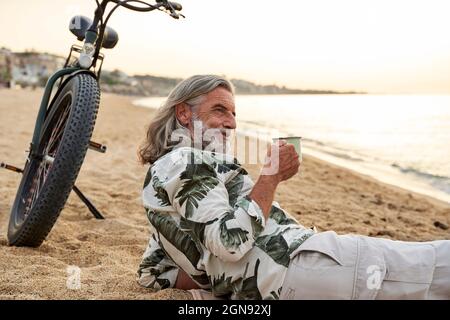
x,y
46,184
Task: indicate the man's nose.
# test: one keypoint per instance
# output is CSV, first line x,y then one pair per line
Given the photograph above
x,y
230,123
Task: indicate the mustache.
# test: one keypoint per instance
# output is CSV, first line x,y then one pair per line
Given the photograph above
x,y
217,134
225,132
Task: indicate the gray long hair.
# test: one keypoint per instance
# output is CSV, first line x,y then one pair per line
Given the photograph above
x,y
191,91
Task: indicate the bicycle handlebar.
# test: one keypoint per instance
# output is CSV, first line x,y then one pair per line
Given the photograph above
x,y
173,7
135,8
160,3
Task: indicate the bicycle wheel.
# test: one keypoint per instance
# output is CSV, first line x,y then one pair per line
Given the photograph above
x,y
48,179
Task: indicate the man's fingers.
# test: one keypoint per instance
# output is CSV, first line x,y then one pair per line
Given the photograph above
x,y
269,149
289,146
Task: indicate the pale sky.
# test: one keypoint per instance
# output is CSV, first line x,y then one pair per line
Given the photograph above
x,y
379,46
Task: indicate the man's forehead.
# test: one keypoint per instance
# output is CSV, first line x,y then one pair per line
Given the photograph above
x,y
221,96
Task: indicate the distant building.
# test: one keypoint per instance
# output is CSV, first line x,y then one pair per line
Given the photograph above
x,y
32,68
5,67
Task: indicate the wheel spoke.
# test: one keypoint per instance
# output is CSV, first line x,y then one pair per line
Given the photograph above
x,y
37,185
58,129
32,192
53,142
54,131
44,167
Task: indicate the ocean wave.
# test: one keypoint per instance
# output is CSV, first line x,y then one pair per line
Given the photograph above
x,y
332,150
437,181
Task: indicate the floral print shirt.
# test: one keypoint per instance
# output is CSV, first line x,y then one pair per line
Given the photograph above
x,y
204,223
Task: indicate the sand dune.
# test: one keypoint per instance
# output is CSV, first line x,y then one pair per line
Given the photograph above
x,y
109,251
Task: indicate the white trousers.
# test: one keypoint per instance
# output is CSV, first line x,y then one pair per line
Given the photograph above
x,y
331,266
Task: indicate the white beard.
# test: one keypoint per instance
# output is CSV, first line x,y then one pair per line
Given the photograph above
x,y
203,137
210,139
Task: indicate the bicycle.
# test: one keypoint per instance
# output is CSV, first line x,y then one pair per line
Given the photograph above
x,y
64,126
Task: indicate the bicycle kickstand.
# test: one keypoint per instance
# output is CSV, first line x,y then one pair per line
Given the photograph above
x,y
88,204
83,198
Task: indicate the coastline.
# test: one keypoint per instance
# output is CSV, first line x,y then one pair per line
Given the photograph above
x,y
109,251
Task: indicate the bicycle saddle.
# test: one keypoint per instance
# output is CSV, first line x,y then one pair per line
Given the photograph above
x,y
79,25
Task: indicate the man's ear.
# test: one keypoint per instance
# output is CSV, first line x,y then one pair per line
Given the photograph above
x,y
183,113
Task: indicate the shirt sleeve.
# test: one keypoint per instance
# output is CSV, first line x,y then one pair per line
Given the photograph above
x,y
199,195
157,270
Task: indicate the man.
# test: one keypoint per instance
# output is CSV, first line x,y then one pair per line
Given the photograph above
x,y
213,228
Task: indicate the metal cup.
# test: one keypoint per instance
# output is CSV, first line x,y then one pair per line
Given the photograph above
x,y
296,141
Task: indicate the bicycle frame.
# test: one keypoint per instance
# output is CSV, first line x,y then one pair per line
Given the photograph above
x,y
91,37
92,40
50,124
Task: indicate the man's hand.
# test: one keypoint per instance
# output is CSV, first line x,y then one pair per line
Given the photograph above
x,y
282,162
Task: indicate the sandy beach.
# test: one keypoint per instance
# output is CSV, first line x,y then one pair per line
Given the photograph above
x,y
109,251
